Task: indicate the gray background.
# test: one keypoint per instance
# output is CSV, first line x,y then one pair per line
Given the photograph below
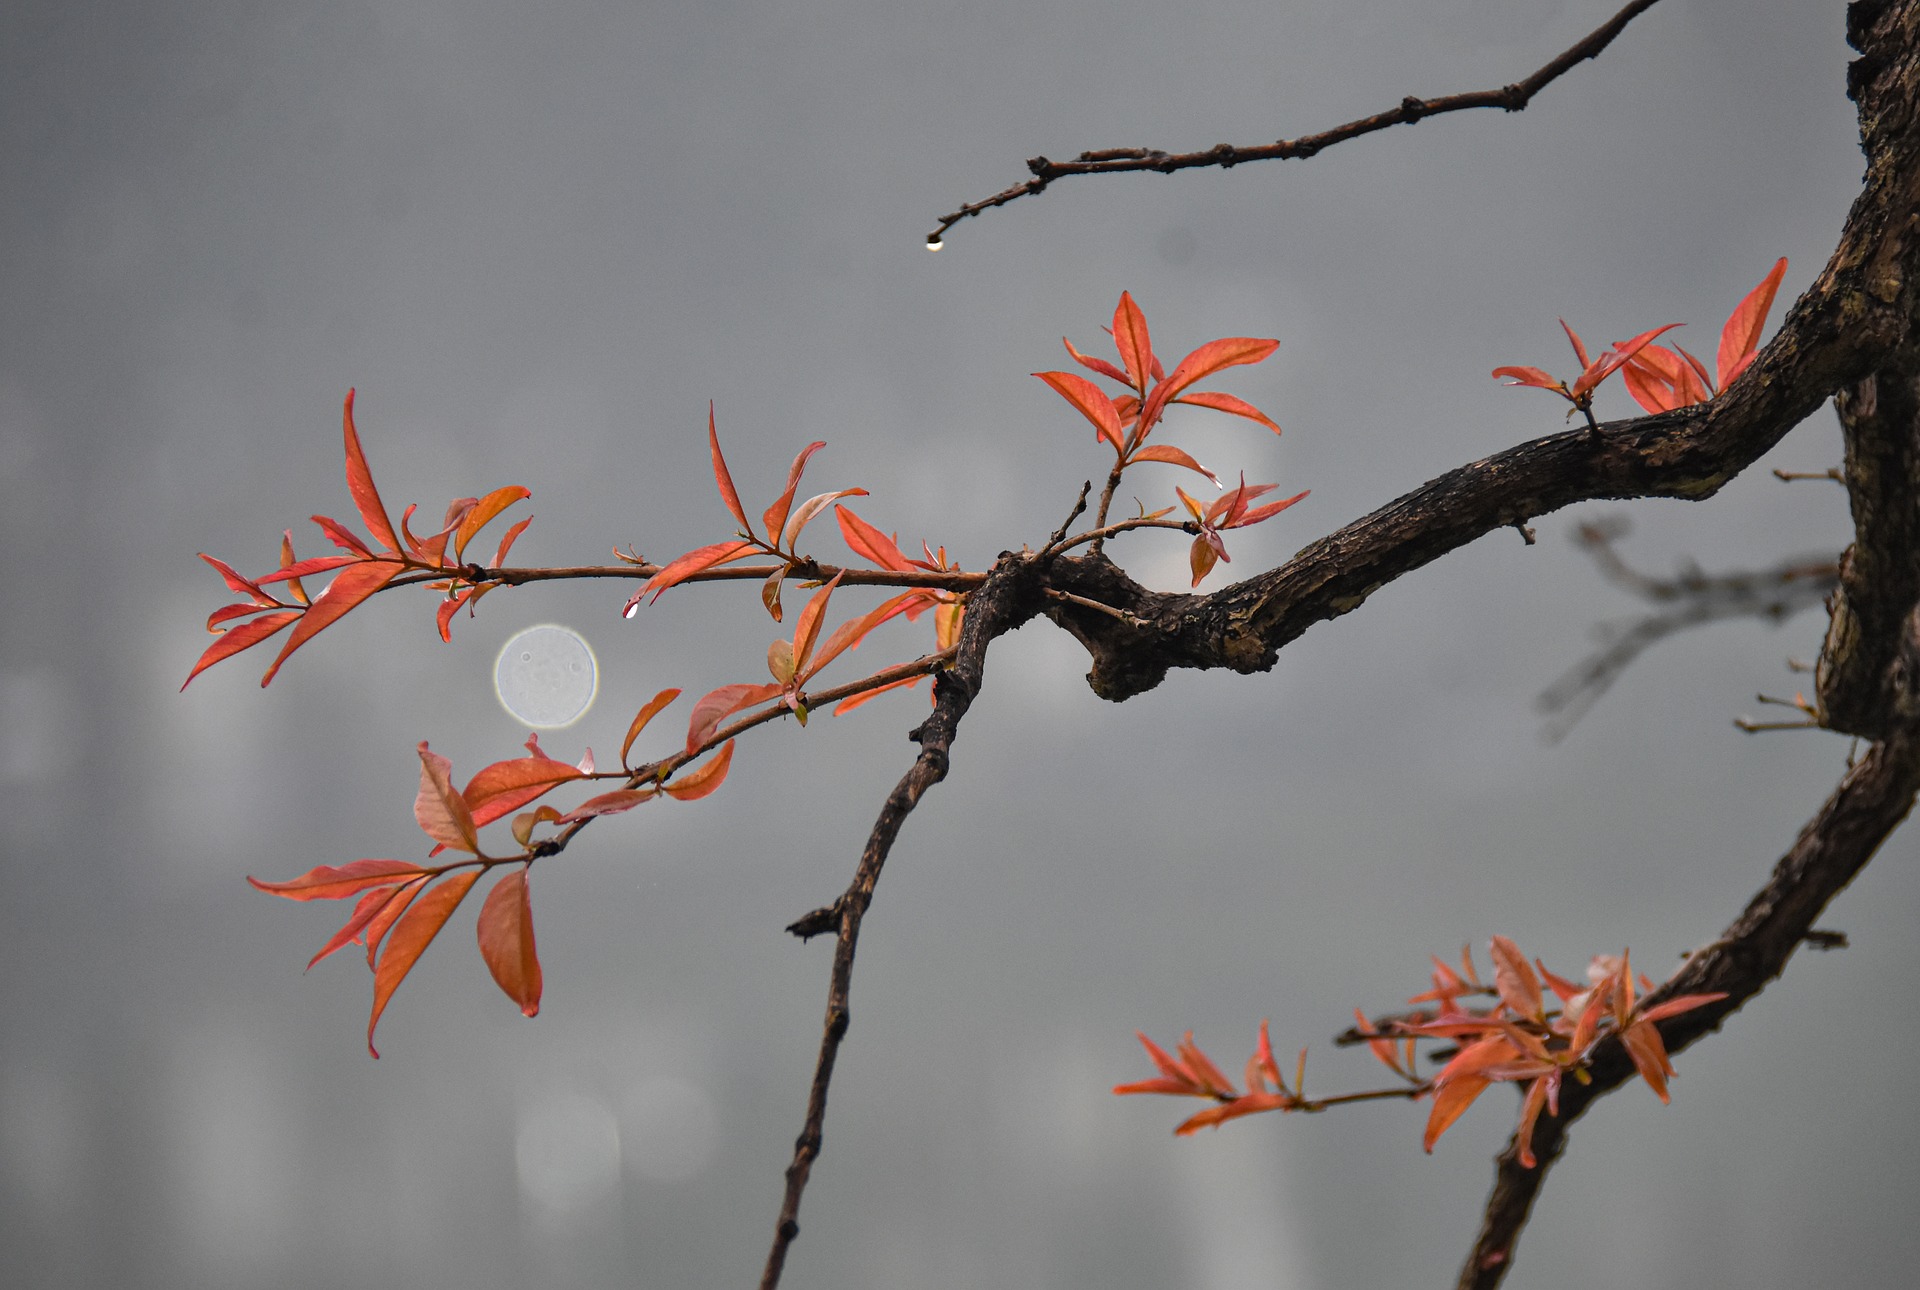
x,y
539,238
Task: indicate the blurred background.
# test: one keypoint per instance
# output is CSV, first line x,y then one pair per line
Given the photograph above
x,y
539,239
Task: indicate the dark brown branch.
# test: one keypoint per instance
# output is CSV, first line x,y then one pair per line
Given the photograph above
x,y
1002,602
1866,676
1870,802
1108,161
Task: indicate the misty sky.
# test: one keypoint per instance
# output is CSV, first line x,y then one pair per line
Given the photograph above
x,y
538,239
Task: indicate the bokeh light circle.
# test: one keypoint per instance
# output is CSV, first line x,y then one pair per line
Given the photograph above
x,y
546,677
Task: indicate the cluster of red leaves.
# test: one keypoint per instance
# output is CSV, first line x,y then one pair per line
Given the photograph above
x,y
1517,1040
1123,421
1521,1041
403,905
362,571
1658,378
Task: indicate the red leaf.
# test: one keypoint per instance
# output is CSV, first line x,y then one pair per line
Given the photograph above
x,y
441,812
723,478
329,882
308,567
1528,376
621,799
1173,457
235,639
775,517
1130,338
483,514
1099,365
642,717
850,633
506,543
443,616
1266,512
1612,361
853,701
809,510
382,922
506,786
807,631
371,903
506,941
1227,403
411,936
1513,977
712,774
235,582
719,704
360,484
1093,404
1211,357
1449,1103
695,561
343,538
1741,336
349,587
866,540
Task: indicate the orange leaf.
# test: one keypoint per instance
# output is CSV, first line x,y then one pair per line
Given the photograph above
x,y
1649,1053
349,587
853,701
647,713
723,478
850,633
245,636
776,515
360,484
865,540
1267,512
1449,1103
506,941
371,903
807,631
506,786
1130,338
483,513
411,936
712,774
717,705
1201,363
1173,457
341,537
614,803
695,561
1529,1115
1528,376
1227,403
1099,365
338,882
506,543
1741,336
381,923
809,510
1093,404
1513,977
441,812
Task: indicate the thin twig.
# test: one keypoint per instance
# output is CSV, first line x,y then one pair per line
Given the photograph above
x,y
1067,597
1060,534
1000,604
1511,98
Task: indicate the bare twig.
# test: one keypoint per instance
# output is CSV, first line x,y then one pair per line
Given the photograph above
x,y
1002,602
1107,161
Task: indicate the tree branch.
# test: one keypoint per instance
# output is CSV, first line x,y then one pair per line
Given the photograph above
x,y
1511,98
1869,803
1002,602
